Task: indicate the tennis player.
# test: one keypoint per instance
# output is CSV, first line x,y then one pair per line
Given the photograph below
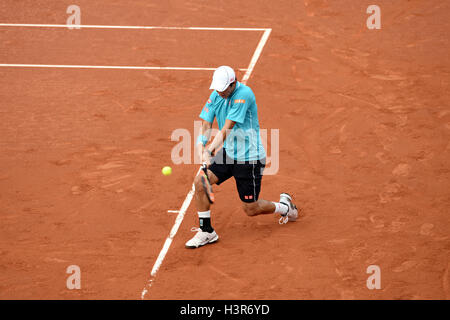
x,y
236,151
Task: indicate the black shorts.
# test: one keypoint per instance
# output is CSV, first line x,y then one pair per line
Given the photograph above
x,y
248,174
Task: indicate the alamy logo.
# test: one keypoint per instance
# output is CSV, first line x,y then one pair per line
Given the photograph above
x,y
74,20
374,21
374,281
182,152
74,280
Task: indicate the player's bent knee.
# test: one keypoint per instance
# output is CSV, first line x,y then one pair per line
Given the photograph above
x,y
250,209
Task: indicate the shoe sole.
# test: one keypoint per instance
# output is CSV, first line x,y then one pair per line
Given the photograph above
x,y
292,219
213,240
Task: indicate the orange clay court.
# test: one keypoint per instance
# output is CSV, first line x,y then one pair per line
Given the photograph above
x,y
364,123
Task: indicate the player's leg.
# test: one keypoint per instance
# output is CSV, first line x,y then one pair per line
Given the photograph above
x,y
201,200
260,207
218,172
285,207
248,181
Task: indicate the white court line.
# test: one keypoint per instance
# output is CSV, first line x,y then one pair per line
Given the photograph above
x,y
19,65
244,79
168,242
190,195
127,27
256,55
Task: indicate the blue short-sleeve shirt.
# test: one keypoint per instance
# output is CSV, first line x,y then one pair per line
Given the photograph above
x,y
244,141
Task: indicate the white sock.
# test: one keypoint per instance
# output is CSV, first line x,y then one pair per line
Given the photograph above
x,y
281,208
204,214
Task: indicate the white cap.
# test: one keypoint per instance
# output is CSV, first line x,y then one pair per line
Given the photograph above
x,y
222,78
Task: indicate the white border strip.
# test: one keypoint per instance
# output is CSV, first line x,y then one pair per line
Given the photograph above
x,y
72,26
18,65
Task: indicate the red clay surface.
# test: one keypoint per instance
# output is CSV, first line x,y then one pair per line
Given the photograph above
x,y
364,123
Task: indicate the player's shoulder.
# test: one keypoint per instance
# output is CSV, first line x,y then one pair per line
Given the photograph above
x,y
243,93
244,90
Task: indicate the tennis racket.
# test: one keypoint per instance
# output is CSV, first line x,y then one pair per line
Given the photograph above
x,y
206,184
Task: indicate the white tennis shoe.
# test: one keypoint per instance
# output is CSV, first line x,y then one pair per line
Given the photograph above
x,y
201,238
292,213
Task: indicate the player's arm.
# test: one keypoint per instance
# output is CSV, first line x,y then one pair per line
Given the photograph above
x,y
208,116
204,135
221,136
203,138
236,114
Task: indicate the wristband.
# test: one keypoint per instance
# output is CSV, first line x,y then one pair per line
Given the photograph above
x,y
202,139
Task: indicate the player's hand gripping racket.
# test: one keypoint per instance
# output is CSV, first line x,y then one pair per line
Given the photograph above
x,y
206,184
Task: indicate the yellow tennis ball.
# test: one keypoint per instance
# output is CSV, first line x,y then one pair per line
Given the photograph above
x,y
166,171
